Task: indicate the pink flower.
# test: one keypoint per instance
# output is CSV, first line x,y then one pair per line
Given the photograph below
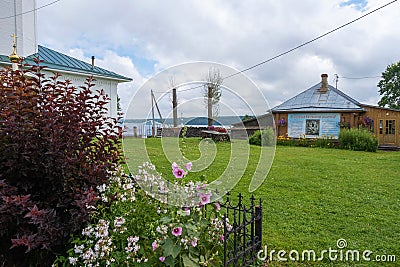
x,y
154,245
199,187
178,173
205,198
188,166
174,166
177,231
222,237
217,206
162,259
194,242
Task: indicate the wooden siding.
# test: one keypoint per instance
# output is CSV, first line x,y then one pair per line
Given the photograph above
x,y
382,118
386,124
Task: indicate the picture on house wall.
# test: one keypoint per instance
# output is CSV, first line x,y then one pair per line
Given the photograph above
x,y
314,125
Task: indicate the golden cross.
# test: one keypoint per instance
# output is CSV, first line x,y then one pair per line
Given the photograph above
x,y
14,36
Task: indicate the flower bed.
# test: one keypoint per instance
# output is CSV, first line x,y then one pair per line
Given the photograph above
x,y
130,228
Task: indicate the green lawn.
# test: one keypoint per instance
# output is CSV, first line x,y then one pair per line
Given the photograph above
x,y
311,197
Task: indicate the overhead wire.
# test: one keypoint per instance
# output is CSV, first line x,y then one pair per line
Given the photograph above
x,y
29,11
360,78
308,42
304,44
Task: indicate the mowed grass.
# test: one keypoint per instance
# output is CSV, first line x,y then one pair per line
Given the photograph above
x,y
312,197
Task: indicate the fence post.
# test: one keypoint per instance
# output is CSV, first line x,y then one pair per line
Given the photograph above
x,y
258,225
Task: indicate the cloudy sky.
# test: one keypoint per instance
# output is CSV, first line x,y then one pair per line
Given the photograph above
x,y
139,39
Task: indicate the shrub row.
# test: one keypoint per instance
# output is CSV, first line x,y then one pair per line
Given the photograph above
x,y
263,137
358,139
324,142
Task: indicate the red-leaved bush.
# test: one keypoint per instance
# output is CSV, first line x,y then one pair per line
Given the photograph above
x,y
56,146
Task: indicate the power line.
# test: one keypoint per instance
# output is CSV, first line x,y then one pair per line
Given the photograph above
x,y
26,12
306,43
301,45
360,78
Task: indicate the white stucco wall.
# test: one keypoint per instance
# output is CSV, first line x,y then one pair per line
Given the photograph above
x,y
109,86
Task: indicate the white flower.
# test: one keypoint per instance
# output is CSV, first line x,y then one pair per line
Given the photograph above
x,y
101,188
72,260
87,231
127,186
118,222
78,249
102,229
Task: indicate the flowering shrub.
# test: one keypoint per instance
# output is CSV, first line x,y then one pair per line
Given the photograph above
x,y
221,130
130,228
282,122
368,121
323,141
284,140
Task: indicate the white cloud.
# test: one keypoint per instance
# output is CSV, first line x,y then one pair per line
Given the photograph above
x,y
129,37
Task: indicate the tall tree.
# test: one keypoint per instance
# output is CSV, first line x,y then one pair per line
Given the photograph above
x,y
212,93
390,87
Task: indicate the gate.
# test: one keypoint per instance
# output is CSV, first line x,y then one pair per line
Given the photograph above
x,y
242,232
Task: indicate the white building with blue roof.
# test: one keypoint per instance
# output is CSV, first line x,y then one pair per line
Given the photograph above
x,y
18,17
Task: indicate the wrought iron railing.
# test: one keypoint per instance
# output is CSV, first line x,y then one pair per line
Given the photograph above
x,y
242,232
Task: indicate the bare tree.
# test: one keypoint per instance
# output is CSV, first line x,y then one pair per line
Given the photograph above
x,y
212,93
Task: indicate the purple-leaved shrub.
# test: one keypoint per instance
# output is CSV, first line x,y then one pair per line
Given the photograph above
x,y
57,145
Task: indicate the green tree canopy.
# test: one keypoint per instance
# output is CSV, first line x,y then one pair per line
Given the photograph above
x,y
390,87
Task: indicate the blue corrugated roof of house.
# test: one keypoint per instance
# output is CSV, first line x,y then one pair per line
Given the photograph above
x,y
57,61
313,100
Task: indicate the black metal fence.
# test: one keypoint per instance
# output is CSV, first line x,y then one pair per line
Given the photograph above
x,y
242,226
242,232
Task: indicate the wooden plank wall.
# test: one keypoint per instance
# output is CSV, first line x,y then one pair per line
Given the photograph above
x,y
356,119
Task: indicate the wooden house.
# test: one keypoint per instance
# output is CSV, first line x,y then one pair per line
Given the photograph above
x,y
323,110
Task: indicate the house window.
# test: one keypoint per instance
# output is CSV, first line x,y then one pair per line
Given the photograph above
x,y
390,127
380,126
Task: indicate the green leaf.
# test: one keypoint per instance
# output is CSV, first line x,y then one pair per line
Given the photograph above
x,y
188,262
171,249
176,249
166,219
193,251
169,261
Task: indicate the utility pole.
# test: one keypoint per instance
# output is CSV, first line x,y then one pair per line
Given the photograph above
x,y
175,107
154,103
152,114
209,105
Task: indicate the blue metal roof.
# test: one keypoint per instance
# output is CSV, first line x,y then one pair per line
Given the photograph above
x,y
313,100
199,121
57,61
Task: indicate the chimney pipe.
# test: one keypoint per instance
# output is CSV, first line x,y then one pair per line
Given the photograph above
x,y
324,83
92,62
